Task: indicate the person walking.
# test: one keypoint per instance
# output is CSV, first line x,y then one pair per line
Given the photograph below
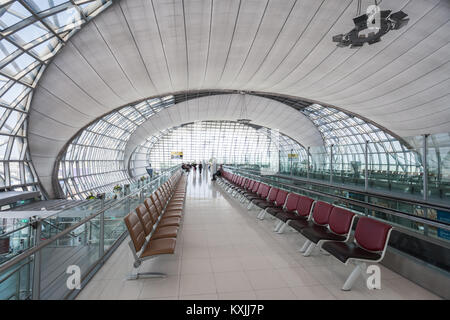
x,y
149,170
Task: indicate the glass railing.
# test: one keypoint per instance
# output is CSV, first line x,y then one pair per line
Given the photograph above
x,y
82,236
416,169
17,235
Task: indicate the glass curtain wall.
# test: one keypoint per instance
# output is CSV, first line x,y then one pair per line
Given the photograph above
x,y
93,161
293,159
438,164
228,142
393,165
32,32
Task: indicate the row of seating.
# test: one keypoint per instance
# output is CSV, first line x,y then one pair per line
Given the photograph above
x,y
324,225
153,225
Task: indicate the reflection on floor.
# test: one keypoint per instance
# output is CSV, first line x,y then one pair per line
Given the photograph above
x,y
224,252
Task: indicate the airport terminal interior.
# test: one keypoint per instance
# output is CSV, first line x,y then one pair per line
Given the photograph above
x,y
224,150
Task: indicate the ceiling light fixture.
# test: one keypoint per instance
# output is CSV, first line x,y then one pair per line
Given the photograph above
x,y
243,116
377,22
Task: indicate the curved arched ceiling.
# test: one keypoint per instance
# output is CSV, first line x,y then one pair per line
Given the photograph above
x,y
230,107
99,154
104,147
144,48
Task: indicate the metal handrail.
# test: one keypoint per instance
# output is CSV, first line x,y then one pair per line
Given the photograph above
x,y
86,202
45,243
427,221
3,235
420,202
9,275
58,228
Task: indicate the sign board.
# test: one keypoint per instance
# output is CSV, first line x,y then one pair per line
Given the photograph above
x,y
292,156
445,217
176,155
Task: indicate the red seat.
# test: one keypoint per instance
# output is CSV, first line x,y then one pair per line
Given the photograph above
x,y
261,194
289,207
339,226
278,203
248,186
301,212
320,215
255,192
270,202
369,245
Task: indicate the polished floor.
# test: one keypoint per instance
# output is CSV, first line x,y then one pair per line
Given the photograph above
x,y
224,252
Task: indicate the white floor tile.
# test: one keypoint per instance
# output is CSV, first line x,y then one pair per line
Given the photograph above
x,y
233,281
265,279
196,266
313,293
226,264
243,295
160,288
275,294
197,284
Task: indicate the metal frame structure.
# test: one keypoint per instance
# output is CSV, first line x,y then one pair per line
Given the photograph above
x,y
347,135
31,34
227,141
93,161
79,161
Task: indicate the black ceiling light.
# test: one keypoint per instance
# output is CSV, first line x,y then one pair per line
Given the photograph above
x,y
386,21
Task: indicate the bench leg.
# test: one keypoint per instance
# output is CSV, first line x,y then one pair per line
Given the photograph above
x,y
309,250
277,226
305,246
262,215
281,230
357,271
146,275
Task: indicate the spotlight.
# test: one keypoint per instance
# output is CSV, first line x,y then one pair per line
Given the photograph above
x,y
361,22
388,21
398,19
384,14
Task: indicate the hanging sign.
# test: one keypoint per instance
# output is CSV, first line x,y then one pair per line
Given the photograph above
x,y
176,155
